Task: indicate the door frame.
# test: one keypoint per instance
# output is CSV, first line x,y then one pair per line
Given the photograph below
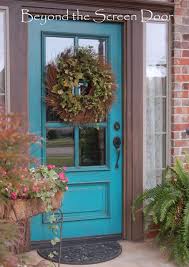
x,y
132,86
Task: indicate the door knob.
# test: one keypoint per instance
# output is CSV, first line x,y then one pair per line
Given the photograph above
x,y
117,144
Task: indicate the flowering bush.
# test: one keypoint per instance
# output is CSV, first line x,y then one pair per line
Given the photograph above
x,y
41,182
17,181
14,157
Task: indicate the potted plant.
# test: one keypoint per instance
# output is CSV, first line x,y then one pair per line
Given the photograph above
x,y
41,190
25,191
168,207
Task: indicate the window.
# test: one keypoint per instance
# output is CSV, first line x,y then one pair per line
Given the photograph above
x,y
67,145
155,103
3,59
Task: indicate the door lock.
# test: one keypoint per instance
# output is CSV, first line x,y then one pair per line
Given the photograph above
x,y
116,126
117,144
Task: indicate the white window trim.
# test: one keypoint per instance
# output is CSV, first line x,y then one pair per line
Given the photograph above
x,y
7,59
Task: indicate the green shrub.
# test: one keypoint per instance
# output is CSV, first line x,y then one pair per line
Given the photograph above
x,y
168,207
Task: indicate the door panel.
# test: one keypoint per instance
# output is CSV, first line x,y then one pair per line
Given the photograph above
x,y
93,204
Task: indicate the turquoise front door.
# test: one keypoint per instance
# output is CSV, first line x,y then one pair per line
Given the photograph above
x,y
93,204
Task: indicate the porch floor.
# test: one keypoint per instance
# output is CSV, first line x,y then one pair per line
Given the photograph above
x,y
134,254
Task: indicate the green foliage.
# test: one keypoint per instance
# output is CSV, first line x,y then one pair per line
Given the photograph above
x,y
65,76
168,207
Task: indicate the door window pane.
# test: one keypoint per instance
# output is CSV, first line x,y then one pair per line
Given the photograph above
x,y
99,46
50,115
92,146
155,103
56,45
60,147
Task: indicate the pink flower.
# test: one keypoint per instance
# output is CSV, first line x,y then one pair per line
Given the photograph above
x,y
25,189
35,189
66,188
4,173
62,176
64,168
13,195
51,167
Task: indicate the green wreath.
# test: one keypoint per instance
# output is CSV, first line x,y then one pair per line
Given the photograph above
x,y
80,86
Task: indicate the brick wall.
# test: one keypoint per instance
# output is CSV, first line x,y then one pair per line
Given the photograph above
x,y
180,98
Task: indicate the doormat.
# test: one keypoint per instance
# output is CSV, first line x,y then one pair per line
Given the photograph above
x,y
84,253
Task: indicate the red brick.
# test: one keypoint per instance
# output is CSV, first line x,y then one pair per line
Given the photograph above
x,y
181,110
175,135
177,86
177,44
182,78
184,3
185,86
185,102
177,53
179,11
181,118
185,53
177,102
181,143
176,70
186,37
177,36
185,45
182,11
182,61
185,69
184,135
185,20
180,126
181,94
176,151
184,151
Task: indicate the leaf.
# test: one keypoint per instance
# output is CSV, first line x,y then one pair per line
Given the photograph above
x,y
182,175
55,241
186,223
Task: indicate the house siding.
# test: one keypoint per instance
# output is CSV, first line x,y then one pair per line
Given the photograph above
x,y
180,74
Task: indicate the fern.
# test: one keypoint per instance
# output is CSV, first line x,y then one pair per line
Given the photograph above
x,y
165,208
186,223
168,207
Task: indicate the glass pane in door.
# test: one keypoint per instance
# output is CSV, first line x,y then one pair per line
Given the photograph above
x,y
53,47
99,46
92,146
60,146
56,45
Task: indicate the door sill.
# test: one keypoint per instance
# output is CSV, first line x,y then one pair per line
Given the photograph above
x,y
79,240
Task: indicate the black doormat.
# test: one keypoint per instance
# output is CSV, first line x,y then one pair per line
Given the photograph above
x,y
84,253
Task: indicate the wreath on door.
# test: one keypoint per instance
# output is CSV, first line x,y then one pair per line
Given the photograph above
x,y
80,86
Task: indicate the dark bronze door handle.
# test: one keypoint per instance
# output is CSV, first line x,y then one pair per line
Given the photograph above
x,y
117,144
